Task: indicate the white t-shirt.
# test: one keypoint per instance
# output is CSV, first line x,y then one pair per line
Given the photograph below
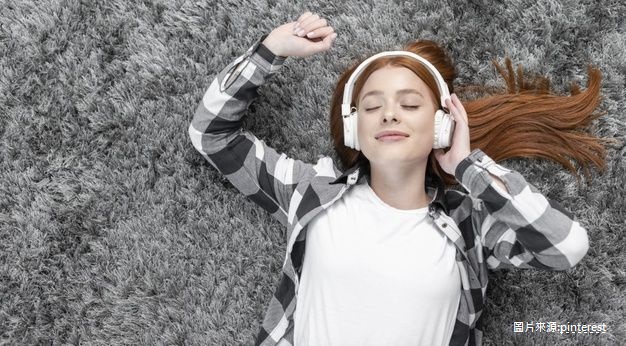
x,y
376,275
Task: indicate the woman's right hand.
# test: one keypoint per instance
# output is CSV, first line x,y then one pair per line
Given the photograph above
x,y
316,36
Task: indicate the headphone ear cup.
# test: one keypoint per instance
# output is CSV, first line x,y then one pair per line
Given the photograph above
x,y
444,129
347,135
355,133
350,138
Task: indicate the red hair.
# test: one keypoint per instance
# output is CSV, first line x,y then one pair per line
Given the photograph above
x,y
525,120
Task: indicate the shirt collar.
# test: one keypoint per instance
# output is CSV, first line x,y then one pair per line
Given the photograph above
x,y
357,172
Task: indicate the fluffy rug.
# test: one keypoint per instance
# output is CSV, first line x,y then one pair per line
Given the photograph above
x,y
114,230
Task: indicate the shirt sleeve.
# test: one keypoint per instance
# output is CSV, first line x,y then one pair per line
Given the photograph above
x,y
255,169
520,227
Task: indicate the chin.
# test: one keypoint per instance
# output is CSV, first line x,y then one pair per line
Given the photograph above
x,y
408,152
396,152
399,159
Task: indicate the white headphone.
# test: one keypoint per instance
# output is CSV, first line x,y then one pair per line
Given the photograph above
x,y
444,123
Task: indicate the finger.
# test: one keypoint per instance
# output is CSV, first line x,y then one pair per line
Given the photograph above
x,y
457,102
438,153
308,20
458,117
449,102
450,106
298,23
327,42
303,26
321,45
320,32
304,16
459,106
455,112
303,30
320,23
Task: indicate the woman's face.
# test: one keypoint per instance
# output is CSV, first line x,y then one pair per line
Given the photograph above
x,y
395,99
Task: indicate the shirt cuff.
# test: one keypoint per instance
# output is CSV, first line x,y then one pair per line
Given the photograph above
x,y
264,57
473,172
474,156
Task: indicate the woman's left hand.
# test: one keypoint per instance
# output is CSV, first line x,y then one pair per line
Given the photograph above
x,y
460,147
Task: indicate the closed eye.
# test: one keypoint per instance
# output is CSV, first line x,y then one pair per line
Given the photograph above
x,y
409,107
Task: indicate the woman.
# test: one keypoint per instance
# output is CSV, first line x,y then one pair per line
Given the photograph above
x,y
392,258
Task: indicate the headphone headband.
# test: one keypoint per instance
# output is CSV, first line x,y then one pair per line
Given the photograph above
x,y
347,91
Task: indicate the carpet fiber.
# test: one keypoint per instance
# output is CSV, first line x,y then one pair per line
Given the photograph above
x,y
114,230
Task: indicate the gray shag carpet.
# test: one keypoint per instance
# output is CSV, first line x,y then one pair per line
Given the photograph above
x,y
114,230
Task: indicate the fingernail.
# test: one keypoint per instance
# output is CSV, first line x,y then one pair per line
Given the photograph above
x,y
300,32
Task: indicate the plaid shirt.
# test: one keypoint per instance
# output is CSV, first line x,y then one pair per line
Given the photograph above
x,y
491,228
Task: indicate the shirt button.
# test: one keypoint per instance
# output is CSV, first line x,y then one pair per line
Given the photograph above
x,y
444,225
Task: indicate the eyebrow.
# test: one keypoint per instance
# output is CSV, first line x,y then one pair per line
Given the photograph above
x,y
401,91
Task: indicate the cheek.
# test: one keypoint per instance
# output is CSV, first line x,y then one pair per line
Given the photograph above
x,y
429,126
426,132
424,124
363,126
366,130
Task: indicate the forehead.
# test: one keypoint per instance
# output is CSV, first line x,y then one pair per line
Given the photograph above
x,y
391,78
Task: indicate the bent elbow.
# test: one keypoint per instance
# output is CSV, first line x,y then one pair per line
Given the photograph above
x,y
195,137
583,246
574,247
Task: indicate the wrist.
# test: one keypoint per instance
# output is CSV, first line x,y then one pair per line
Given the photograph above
x,y
269,43
458,161
462,166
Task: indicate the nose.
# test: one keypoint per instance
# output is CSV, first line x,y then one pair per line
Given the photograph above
x,y
389,116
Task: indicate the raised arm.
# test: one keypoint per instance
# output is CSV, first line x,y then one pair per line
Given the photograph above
x,y
257,170
519,226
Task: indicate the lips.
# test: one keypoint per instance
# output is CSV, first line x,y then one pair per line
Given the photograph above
x,y
391,135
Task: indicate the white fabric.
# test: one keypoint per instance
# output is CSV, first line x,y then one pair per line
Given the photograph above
x,y
376,275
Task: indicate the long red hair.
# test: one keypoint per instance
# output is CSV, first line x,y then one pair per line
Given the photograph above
x,y
525,120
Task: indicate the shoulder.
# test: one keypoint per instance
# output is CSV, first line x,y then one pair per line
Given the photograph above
x,y
457,198
325,167
464,210
319,176
461,204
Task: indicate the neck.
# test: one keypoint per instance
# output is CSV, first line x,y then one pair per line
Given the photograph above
x,y
400,186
